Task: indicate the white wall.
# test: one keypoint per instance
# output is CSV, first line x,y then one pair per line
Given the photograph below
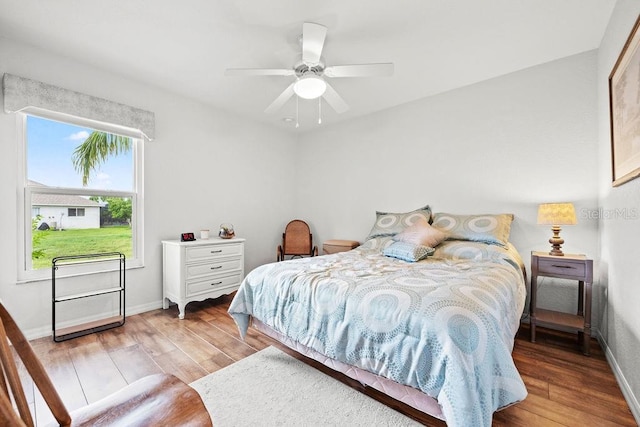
x,y
90,219
205,167
619,266
503,145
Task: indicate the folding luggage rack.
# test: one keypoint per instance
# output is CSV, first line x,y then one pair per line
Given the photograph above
x,y
75,331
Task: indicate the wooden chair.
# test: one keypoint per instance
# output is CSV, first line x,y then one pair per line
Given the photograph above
x,y
160,399
297,241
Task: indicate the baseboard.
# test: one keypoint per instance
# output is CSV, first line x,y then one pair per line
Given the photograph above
x,y
631,399
45,331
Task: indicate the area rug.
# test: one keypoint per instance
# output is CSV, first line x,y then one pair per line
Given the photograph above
x,y
271,388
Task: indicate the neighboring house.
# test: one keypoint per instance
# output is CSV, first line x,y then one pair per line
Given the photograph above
x,y
65,211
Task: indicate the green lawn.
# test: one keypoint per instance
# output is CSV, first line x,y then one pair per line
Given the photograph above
x,y
77,242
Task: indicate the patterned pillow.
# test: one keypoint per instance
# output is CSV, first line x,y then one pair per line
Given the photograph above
x,y
377,243
421,233
492,229
408,251
389,223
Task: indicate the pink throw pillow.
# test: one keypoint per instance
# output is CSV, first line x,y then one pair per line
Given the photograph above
x,y
421,233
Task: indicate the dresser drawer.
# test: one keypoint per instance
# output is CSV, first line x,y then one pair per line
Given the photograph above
x,y
214,267
211,284
562,268
202,253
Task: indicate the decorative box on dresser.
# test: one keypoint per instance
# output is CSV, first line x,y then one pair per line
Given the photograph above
x,y
201,269
575,267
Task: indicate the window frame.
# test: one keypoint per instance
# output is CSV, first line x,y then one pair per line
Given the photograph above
x,y
25,192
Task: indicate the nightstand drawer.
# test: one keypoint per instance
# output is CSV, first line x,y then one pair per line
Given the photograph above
x,y
562,268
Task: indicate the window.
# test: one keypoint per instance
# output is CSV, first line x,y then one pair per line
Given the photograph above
x,y
82,193
76,212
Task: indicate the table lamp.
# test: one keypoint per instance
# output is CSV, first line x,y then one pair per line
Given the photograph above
x,y
555,215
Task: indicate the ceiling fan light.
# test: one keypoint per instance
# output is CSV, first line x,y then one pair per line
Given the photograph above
x,y
310,87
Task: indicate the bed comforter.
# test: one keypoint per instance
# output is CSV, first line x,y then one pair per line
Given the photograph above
x,y
444,325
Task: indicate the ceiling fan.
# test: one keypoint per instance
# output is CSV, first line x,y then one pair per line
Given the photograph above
x,y
310,72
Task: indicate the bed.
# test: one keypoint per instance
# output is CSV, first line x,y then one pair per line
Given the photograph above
x,y
433,329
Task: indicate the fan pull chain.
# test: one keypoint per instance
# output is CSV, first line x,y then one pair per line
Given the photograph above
x,y
319,110
297,100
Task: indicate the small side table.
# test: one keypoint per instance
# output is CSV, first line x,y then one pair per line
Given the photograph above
x,y
576,267
334,246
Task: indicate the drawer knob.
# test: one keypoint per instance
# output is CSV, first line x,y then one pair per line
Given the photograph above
x,y
216,267
216,283
216,252
562,266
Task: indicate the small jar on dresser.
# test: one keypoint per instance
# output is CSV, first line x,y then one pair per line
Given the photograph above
x,y
200,269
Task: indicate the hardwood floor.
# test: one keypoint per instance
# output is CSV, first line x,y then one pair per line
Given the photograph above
x,y
565,387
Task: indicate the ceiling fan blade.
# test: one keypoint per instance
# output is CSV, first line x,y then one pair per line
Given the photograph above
x,y
313,36
360,70
259,72
280,100
334,100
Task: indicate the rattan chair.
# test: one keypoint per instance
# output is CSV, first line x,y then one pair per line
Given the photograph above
x,y
297,241
160,399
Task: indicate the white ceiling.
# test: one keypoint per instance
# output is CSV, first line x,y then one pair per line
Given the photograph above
x,y
436,45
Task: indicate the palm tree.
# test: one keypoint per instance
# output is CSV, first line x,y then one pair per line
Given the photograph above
x,y
93,152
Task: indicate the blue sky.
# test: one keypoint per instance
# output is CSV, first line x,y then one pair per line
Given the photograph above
x,y
50,146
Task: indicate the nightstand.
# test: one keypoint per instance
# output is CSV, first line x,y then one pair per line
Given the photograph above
x,y
334,246
575,267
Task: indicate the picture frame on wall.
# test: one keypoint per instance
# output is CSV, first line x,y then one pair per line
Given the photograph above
x,y
624,110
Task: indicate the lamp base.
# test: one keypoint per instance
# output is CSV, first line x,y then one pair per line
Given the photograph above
x,y
556,242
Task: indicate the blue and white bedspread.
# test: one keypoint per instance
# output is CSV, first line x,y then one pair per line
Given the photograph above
x,y
444,325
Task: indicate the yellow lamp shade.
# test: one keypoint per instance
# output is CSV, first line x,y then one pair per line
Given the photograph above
x,y
557,214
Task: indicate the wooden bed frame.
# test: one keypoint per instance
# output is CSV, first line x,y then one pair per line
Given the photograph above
x,y
406,395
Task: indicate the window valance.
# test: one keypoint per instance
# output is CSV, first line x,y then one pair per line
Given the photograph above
x,y
34,97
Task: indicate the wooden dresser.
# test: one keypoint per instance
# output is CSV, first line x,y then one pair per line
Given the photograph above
x,y
194,271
